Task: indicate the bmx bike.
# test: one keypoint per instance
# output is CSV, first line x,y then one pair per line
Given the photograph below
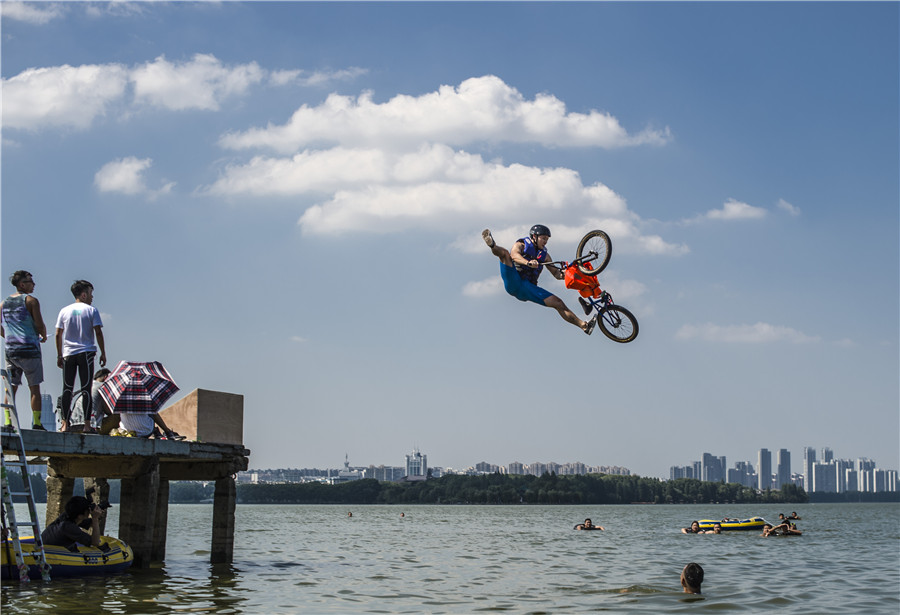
x,y
592,257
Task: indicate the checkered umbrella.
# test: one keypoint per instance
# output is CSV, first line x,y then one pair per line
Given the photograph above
x,y
138,387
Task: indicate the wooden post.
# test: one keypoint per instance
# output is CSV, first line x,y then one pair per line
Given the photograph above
x,y
158,551
59,491
138,513
224,501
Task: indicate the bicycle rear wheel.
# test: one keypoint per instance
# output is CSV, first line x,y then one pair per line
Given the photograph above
x,y
598,245
618,324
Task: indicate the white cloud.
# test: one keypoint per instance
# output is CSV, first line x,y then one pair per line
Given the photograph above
x,y
74,96
61,95
382,191
31,12
297,339
115,8
479,109
126,176
736,210
314,78
200,83
758,333
731,210
484,288
422,192
787,207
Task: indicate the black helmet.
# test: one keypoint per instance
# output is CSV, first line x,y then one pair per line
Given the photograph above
x,y
539,229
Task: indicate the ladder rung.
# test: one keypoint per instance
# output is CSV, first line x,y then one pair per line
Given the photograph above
x,y
28,523
15,493
13,462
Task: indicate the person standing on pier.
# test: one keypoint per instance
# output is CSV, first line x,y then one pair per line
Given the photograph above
x,y
22,327
76,327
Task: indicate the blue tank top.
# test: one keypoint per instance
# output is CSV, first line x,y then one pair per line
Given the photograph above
x,y
531,252
18,326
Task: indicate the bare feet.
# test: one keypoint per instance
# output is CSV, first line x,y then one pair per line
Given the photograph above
x,y
488,239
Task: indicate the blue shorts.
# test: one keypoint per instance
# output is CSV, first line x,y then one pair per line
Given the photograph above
x,y
520,288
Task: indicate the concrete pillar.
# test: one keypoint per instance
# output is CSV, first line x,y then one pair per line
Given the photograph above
x,y
59,491
101,494
138,512
224,501
158,551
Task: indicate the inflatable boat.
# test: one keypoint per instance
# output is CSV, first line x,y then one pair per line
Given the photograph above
x,y
753,523
65,563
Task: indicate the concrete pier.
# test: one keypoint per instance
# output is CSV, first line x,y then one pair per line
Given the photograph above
x,y
145,468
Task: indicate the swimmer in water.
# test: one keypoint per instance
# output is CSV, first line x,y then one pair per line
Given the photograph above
x,y
692,578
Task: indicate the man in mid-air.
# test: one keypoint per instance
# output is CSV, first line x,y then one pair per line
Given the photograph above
x,y
521,266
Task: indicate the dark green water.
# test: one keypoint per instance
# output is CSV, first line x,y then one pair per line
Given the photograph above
x,y
515,559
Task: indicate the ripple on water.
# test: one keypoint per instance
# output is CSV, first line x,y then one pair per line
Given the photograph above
x,y
374,564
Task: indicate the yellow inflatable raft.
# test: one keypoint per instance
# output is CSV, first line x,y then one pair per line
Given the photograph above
x,y
753,523
65,563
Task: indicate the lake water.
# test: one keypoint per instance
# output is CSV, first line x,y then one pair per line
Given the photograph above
x,y
514,559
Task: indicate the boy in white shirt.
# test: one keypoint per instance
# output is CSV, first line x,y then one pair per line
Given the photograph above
x,y
76,327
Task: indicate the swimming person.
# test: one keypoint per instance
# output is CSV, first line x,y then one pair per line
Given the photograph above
x,y
692,578
694,529
588,525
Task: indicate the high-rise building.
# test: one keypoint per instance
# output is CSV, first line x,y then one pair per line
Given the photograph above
x,y
827,454
537,468
48,416
416,464
713,468
824,478
516,467
742,473
783,476
809,460
840,472
850,480
764,469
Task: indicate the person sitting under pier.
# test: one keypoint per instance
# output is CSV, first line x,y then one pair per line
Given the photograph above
x,y
66,531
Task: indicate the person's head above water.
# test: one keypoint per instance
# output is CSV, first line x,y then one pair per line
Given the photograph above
x,y
692,578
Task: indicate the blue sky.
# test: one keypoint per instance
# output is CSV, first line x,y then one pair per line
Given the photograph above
x,y
285,200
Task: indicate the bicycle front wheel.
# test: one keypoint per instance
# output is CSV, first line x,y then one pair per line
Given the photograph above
x,y
618,324
597,247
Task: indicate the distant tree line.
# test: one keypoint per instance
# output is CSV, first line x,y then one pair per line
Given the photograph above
x,y
179,491
491,489
518,489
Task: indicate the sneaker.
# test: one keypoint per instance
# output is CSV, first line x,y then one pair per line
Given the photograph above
x,y
8,429
38,427
174,436
587,307
488,238
590,326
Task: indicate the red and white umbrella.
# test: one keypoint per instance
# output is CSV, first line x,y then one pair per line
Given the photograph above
x,y
138,387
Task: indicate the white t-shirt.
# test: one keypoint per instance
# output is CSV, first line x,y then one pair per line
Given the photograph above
x,y
77,322
138,422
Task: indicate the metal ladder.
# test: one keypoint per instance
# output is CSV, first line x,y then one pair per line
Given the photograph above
x,y
15,437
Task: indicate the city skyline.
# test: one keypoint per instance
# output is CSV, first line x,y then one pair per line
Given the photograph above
x,y
782,458
284,200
